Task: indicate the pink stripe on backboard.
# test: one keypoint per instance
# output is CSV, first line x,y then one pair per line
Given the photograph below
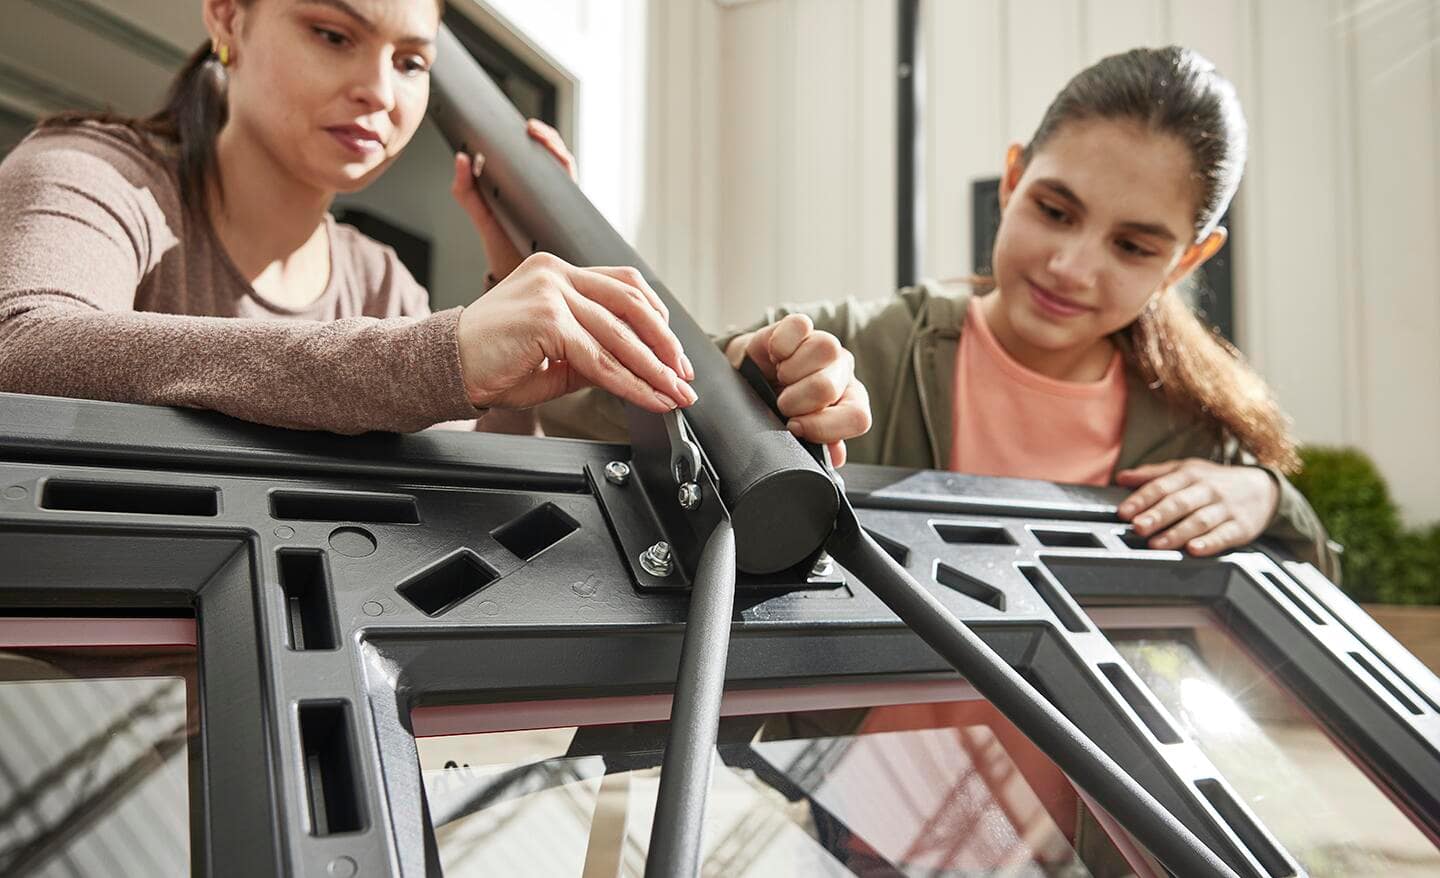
x,y
44,632
469,719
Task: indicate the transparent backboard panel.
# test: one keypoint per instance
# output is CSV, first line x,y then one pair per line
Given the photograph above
x,y
1312,796
97,753
943,789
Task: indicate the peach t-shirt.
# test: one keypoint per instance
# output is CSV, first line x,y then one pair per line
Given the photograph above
x,y
1010,421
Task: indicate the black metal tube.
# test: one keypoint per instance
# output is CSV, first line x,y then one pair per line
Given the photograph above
x,y
1177,848
781,503
695,716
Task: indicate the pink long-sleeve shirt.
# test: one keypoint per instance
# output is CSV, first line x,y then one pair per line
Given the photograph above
x,y
110,290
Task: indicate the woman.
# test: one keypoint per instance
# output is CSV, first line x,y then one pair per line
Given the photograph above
x,y
190,259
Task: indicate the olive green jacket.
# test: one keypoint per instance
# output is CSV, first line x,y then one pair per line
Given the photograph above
x,y
905,348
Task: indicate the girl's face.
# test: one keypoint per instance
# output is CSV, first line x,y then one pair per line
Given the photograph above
x,y
333,90
1098,221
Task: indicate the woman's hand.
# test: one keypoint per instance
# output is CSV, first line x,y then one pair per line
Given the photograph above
x,y
500,252
1204,507
551,328
815,378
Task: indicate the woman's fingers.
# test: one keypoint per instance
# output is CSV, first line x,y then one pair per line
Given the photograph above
x,y
463,188
592,360
631,304
553,142
621,344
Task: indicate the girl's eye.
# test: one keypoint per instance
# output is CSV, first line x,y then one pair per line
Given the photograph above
x,y
1052,212
1132,249
332,37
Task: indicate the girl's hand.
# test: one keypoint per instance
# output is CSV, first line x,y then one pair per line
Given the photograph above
x,y
815,377
551,328
1204,507
500,252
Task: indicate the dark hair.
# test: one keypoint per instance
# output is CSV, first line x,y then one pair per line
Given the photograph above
x,y
1176,92
191,118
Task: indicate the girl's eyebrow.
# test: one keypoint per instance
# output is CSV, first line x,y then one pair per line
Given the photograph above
x,y
361,20
1158,230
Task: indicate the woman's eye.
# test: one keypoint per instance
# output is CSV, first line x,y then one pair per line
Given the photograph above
x,y
332,37
413,65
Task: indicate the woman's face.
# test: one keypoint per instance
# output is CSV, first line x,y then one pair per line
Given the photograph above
x,y
1091,228
333,90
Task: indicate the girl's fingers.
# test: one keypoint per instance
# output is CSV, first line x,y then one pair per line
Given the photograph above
x,y
817,351
1183,499
635,357
1227,536
787,335
837,453
813,393
1202,520
1141,474
1151,493
758,349
846,419
630,304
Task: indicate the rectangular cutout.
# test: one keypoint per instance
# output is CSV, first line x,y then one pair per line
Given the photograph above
x,y
1134,540
1250,835
535,531
1050,594
444,585
973,534
1300,603
1383,680
309,615
1144,708
344,506
1057,538
332,779
80,496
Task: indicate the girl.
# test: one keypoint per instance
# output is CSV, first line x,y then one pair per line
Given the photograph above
x,y
1080,363
123,241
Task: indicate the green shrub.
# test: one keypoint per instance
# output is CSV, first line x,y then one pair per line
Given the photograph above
x,y
1382,561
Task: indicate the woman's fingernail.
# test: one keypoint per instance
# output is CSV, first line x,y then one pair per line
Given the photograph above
x,y
689,367
687,392
670,404
477,164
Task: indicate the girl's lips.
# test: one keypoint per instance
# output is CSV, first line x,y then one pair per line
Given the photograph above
x,y
356,142
1054,305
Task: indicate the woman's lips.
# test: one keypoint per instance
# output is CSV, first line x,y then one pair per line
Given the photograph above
x,y
356,141
1055,306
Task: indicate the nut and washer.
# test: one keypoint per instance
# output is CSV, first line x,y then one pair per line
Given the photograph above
x,y
617,472
823,566
656,560
690,496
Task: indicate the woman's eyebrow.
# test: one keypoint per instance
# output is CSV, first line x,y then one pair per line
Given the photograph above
x,y
361,20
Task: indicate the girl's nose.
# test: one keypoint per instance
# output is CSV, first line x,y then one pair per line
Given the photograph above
x,y
1076,263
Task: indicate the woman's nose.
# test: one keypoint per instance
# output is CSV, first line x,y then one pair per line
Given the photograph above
x,y
374,86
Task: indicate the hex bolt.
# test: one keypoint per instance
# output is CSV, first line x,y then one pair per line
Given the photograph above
x,y
823,566
656,560
617,472
690,496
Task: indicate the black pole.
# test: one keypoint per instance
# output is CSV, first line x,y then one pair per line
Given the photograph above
x,y
782,505
909,145
675,838
1179,850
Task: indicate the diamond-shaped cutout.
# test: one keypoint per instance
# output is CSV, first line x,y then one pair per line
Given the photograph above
x,y
969,586
536,531
444,584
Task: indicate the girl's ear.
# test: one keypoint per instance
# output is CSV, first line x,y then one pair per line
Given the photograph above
x,y
1014,167
1196,255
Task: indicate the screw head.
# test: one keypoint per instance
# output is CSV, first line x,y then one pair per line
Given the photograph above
x,y
656,560
617,472
690,496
